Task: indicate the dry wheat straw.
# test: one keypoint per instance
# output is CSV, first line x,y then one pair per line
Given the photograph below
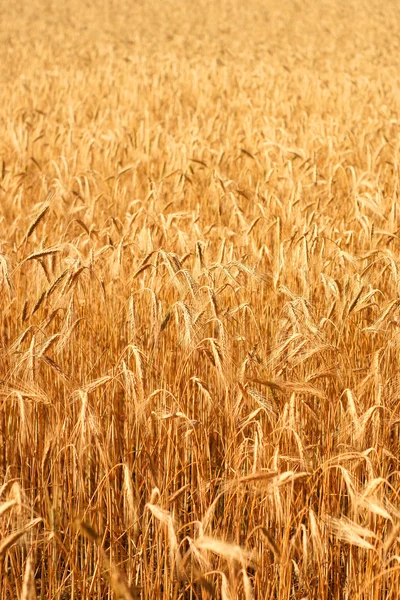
x,y
199,300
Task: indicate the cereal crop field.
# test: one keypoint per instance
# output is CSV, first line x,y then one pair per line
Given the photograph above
x,y
199,300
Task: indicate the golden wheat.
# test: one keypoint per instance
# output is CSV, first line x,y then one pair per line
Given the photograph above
x,y
199,297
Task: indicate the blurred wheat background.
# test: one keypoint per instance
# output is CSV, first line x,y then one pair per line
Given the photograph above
x,y
199,300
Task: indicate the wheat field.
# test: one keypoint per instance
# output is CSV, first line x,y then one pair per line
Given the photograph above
x,y
199,300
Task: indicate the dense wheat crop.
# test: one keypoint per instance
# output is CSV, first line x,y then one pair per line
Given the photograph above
x,y
199,300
